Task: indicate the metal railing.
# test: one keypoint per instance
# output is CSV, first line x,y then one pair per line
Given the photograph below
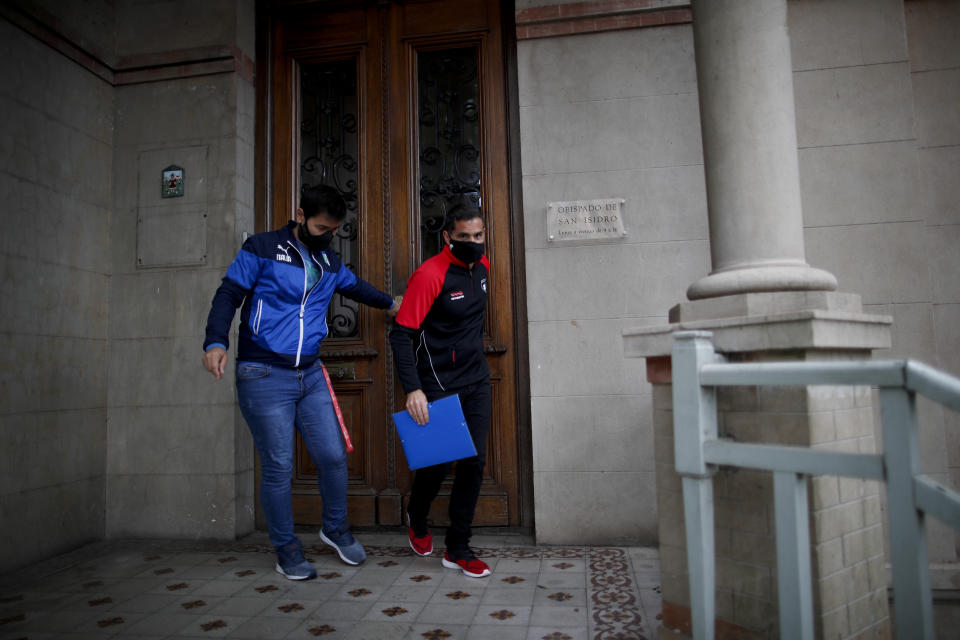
x,y
698,370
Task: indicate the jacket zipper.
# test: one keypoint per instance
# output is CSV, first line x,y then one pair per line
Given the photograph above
x,y
306,294
256,319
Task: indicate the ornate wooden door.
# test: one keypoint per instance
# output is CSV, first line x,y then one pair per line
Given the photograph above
x,y
402,107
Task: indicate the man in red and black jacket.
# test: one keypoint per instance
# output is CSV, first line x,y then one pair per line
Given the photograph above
x,y
438,348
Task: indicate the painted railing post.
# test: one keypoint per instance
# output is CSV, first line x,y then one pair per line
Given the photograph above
x,y
695,421
912,604
793,556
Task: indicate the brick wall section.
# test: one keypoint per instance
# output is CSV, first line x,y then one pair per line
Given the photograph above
x,y
849,583
601,15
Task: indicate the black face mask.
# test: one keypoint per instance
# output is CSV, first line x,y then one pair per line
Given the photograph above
x,y
467,252
312,242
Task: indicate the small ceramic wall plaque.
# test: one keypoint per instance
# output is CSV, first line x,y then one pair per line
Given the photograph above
x,y
172,185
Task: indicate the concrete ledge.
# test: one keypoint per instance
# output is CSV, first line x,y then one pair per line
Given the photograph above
x,y
810,329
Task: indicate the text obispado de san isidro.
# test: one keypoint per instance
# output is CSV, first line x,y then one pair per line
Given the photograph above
x,y
585,220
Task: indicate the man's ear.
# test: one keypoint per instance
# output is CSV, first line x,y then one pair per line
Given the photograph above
x,y
298,216
446,237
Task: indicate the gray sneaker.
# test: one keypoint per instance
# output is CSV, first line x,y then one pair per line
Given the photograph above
x,y
292,564
346,546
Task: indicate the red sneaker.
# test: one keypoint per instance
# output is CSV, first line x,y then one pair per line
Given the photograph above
x,y
422,546
470,565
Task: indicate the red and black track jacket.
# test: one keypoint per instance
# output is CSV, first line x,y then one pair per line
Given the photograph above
x,y
438,336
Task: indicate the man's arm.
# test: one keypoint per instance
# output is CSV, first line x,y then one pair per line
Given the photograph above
x,y
422,290
241,275
359,290
401,338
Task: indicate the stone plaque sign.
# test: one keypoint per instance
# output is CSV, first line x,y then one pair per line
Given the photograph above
x,y
585,220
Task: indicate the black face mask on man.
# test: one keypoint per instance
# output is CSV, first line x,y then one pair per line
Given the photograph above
x,y
312,242
465,251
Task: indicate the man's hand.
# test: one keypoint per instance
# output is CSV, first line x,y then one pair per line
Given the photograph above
x,y
392,311
417,407
215,360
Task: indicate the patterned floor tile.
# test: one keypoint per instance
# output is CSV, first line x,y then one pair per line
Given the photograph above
x,y
212,626
496,632
506,615
218,588
327,629
410,592
372,630
203,590
453,613
193,604
266,628
564,565
556,633
375,576
242,606
560,616
157,623
356,591
343,610
55,622
442,631
496,594
518,565
561,597
394,612
555,580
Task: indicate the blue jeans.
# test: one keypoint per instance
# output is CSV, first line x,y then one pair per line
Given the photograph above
x,y
275,400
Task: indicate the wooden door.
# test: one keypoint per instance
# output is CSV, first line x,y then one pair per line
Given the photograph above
x,y
402,107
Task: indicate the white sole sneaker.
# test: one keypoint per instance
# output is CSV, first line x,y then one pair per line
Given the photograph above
x,y
331,543
450,564
288,576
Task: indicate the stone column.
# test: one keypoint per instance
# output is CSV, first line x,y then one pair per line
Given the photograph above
x,y
749,134
762,302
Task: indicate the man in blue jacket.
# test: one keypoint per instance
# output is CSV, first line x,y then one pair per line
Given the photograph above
x,y
284,280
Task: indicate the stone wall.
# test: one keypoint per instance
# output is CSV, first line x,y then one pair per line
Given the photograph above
x,y
179,458
878,133
615,115
109,425
56,147
932,28
606,115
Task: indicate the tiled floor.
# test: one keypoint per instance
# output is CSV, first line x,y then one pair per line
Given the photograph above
x,y
177,589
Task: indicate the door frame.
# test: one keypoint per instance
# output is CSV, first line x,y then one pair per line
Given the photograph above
x,y
263,215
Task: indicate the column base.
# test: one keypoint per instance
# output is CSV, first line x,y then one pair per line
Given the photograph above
x,y
755,279
781,321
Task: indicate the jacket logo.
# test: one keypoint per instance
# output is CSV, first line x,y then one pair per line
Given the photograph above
x,y
456,295
285,256
483,284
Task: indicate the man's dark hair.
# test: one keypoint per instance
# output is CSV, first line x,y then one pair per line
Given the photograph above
x,y
323,199
460,212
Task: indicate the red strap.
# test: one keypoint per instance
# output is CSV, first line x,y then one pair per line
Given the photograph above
x,y
336,406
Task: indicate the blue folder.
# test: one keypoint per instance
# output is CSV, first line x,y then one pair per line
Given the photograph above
x,y
444,439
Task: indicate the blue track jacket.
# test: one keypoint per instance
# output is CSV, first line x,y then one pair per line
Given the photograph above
x,y
282,323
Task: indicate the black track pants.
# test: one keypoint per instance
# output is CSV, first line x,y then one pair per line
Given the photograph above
x,y
468,474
